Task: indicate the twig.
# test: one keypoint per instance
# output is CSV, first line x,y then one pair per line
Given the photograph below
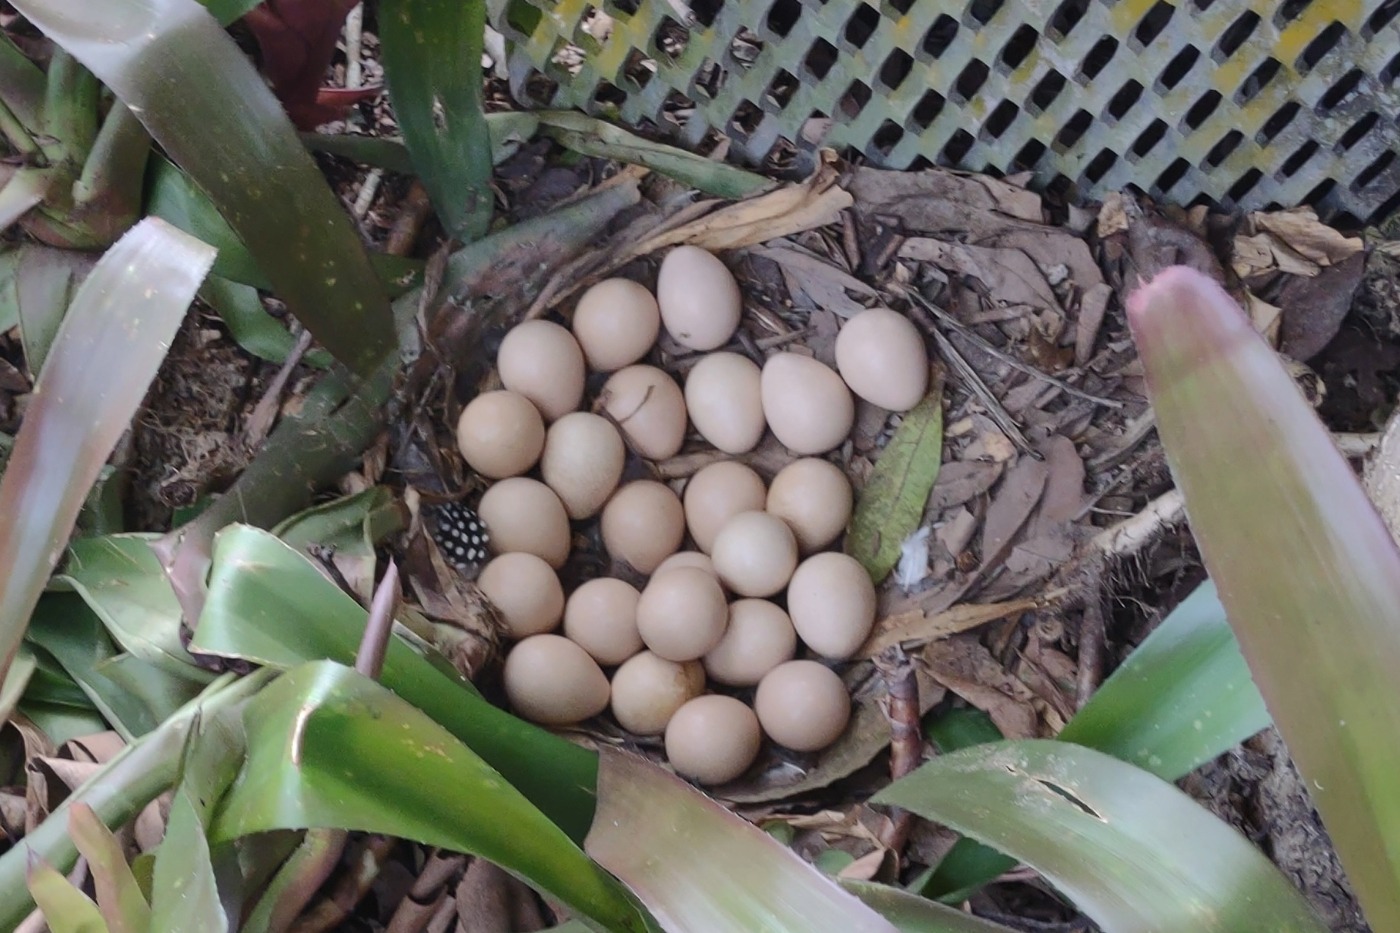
x,y
1133,534
365,197
1092,632
354,32
968,375
375,642
265,412
962,330
334,909
906,737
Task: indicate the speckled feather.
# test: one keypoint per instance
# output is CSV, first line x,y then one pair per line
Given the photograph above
x,y
460,533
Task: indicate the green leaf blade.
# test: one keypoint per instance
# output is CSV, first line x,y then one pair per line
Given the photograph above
x,y
891,505
328,747
119,897
157,56
1307,571
439,104
1129,849
102,362
699,867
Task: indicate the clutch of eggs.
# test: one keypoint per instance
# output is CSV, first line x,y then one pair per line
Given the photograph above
x,y
757,605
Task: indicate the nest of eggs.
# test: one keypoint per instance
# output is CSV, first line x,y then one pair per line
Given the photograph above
x,y
733,601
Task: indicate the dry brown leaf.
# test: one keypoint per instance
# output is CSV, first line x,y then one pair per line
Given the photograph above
x,y
1012,505
823,285
916,627
1113,218
1092,307
968,669
1307,236
940,201
815,202
1008,275
960,481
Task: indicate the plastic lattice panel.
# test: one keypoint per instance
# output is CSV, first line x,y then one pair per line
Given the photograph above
x,y
1239,102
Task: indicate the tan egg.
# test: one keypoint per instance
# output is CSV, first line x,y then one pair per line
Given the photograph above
x,y
882,357
807,406
582,462
616,323
552,681
682,614
647,690
688,559
524,514
647,404
643,524
713,739
716,494
814,497
601,617
802,705
542,361
755,554
500,434
699,298
758,638
832,604
527,592
724,402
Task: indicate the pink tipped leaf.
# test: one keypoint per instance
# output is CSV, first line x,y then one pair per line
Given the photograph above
x,y
1307,572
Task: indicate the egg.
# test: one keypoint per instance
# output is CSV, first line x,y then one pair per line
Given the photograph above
x,y
699,298
643,524
615,322
713,739
724,402
754,554
648,406
552,681
757,639
526,590
806,404
716,494
601,618
814,497
500,434
688,559
802,705
647,690
682,614
542,361
832,604
582,462
524,514
882,357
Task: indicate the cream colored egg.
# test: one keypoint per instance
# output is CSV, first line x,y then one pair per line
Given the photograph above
x,y
724,402
832,604
601,617
524,514
814,497
647,690
527,592
755,554
806,404
616,323
682,614
699,298
688,559
643,524
802,705
716,494
542,361
758,638
649,407
882,357
713,739
500,434
552,681
582,462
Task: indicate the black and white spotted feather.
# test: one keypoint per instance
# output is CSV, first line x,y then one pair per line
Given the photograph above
x,y
460,534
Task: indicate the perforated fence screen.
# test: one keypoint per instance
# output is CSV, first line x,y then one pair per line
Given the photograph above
x,y
1247,104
